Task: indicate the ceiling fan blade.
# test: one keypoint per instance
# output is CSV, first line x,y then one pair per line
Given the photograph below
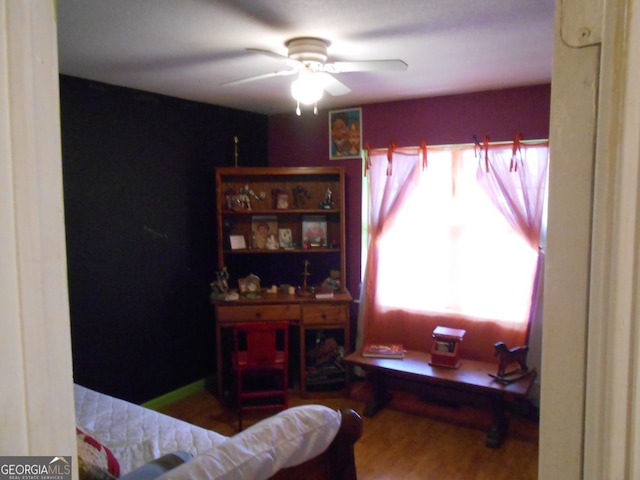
x,y
332,85
280,73
366,66
289,61
269,53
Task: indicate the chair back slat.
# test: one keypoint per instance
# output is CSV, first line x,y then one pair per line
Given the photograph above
x,y
259,341
261,346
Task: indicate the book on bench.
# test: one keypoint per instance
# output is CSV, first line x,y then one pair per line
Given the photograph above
x,y
383,350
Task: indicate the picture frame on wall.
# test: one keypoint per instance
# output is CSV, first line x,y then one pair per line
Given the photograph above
x,y
345,134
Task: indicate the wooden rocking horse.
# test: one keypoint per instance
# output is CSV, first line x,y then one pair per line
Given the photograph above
x,y
508,357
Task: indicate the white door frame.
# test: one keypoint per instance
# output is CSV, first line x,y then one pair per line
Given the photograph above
x,y
36,405
590,374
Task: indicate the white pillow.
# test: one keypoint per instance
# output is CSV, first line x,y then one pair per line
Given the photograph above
x,y
283,440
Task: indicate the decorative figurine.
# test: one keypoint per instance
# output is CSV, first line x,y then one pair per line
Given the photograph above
x,y
305,290
300,196
246,194
248,191
244,201
232,199
272,243
508,357
333,280
327,204
220,287
305,274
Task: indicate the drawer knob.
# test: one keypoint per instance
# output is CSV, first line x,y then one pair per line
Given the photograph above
x,y
324,316
258,315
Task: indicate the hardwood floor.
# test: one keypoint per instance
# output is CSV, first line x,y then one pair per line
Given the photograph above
x,y
411,438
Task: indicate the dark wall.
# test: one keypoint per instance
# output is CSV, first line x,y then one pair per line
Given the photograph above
x,y
140,221
299,141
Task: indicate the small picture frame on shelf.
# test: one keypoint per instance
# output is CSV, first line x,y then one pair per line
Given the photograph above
x,y
314,230
237,242
285,238
242,285
282,201
262,226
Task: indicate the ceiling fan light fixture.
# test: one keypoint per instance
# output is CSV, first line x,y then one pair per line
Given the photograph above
x,y
307,89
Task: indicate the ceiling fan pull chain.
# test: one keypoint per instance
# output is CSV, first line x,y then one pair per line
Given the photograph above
x,y
315,108
298,112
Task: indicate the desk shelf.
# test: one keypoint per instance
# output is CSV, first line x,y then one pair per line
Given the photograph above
x,y
310,251
280,265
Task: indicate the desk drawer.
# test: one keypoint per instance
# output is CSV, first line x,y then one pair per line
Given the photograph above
x,y
243,313
325,314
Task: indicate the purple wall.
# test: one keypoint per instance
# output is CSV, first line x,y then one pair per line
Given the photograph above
x,y
304,141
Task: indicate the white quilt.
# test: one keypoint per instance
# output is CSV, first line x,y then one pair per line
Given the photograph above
x,y
284,440
137,435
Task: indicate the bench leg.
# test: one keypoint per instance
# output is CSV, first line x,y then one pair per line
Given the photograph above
x,y
500,426
380,395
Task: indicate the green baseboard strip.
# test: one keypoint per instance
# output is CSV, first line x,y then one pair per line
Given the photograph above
x,y
175,395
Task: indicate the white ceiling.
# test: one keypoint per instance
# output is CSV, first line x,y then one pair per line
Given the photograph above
x,y
187,48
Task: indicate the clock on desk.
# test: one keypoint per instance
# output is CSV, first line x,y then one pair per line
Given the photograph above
x,y
250,286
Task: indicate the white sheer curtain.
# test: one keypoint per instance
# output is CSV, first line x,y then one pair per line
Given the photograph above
x,y
392,175
515,179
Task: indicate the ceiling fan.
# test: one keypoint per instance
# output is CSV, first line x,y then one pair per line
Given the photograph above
x,y
306,57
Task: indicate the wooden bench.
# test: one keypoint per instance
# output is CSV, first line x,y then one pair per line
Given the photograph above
x,y
471,377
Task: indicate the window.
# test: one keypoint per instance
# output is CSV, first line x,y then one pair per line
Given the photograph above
x,y
450,251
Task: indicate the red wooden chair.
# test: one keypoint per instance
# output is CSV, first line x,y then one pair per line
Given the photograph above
x,y
261,364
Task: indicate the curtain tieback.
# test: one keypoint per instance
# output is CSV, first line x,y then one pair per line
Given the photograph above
x,y
392,145
486,153
513,165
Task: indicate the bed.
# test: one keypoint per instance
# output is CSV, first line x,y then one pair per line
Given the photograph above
x,y
125,440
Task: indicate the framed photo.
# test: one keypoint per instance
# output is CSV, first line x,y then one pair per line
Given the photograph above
x,y
242,285
237,242
282,201
314,230
285,238
345,133
263,227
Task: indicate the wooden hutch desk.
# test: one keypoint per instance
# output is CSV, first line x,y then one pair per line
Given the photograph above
x,y
307,313
289,197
